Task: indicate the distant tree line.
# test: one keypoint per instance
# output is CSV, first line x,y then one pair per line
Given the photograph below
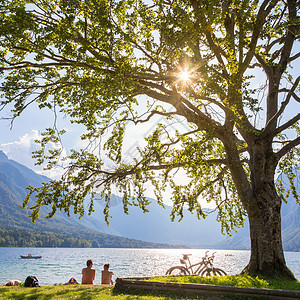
x,y
28,238
16,237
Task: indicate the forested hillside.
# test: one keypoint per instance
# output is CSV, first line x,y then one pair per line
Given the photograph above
x,y
31,238
154,228
16,229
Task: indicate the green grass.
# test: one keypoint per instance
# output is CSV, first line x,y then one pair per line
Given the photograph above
x,y
236,280
90,292
86,292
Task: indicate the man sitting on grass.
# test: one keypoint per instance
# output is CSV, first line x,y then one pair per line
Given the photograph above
x,y
88,274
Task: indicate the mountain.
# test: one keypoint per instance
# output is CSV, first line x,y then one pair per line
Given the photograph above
x,y
290,226
128,230
156,225
14,222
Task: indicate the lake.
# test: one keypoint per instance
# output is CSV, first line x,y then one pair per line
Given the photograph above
x,y
58,265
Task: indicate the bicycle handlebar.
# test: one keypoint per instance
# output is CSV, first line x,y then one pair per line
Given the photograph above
x,y
204,258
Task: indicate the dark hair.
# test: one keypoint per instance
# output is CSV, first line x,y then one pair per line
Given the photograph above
x,y
89,262
31,281
106,266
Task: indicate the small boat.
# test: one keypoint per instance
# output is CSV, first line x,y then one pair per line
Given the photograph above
x,y
31,256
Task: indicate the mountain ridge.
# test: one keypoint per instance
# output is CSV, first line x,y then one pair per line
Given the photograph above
x,y
153,227
290,227
14,178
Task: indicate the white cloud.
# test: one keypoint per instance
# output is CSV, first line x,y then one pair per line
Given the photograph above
x,y
21,151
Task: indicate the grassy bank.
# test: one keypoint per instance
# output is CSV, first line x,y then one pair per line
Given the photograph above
x,y
236,280
90,292
86,292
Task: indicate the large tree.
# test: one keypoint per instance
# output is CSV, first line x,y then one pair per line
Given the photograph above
x,y
222,69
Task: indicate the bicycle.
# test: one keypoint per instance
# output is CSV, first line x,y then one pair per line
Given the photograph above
x,y
203,268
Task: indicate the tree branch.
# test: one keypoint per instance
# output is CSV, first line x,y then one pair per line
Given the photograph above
x,y
187,110
286,125
284,90
273,43
153,113
214,47
294,57
274,119
290,37
263,64
260,21
285,149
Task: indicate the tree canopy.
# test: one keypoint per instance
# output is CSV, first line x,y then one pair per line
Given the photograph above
x,y
225,68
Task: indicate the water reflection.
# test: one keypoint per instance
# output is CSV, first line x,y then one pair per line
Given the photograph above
x,y
60,264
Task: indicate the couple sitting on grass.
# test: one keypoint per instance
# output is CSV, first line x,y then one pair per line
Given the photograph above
x,y
88,274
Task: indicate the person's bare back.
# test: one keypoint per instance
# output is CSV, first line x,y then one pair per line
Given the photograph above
x,y
13,283
88,274
106,275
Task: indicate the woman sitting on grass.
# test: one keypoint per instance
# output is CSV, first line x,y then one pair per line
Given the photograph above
x,y
106,275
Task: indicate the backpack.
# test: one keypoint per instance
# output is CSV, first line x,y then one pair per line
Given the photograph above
x,y
31,281
72,281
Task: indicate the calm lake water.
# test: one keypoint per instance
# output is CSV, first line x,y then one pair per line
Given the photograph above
x,y
58,265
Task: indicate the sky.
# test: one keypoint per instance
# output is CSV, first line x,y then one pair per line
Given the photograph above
x,y
17,138
17,141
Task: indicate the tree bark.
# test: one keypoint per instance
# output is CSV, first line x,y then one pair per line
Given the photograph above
x,y
264,213
263,206
267,257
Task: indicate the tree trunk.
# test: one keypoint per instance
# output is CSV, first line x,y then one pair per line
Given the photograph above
x,y
263,206
267,257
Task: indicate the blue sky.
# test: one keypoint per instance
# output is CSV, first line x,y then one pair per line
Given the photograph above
x,y
17,141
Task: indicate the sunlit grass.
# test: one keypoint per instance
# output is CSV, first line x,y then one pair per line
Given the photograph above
x,y
235,280
87,292
91,292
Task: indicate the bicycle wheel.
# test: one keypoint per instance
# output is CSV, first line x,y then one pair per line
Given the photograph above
x,y
213,272
177,270
219,272
206,272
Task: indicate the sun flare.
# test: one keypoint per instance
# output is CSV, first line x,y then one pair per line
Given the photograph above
x,y
184,76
